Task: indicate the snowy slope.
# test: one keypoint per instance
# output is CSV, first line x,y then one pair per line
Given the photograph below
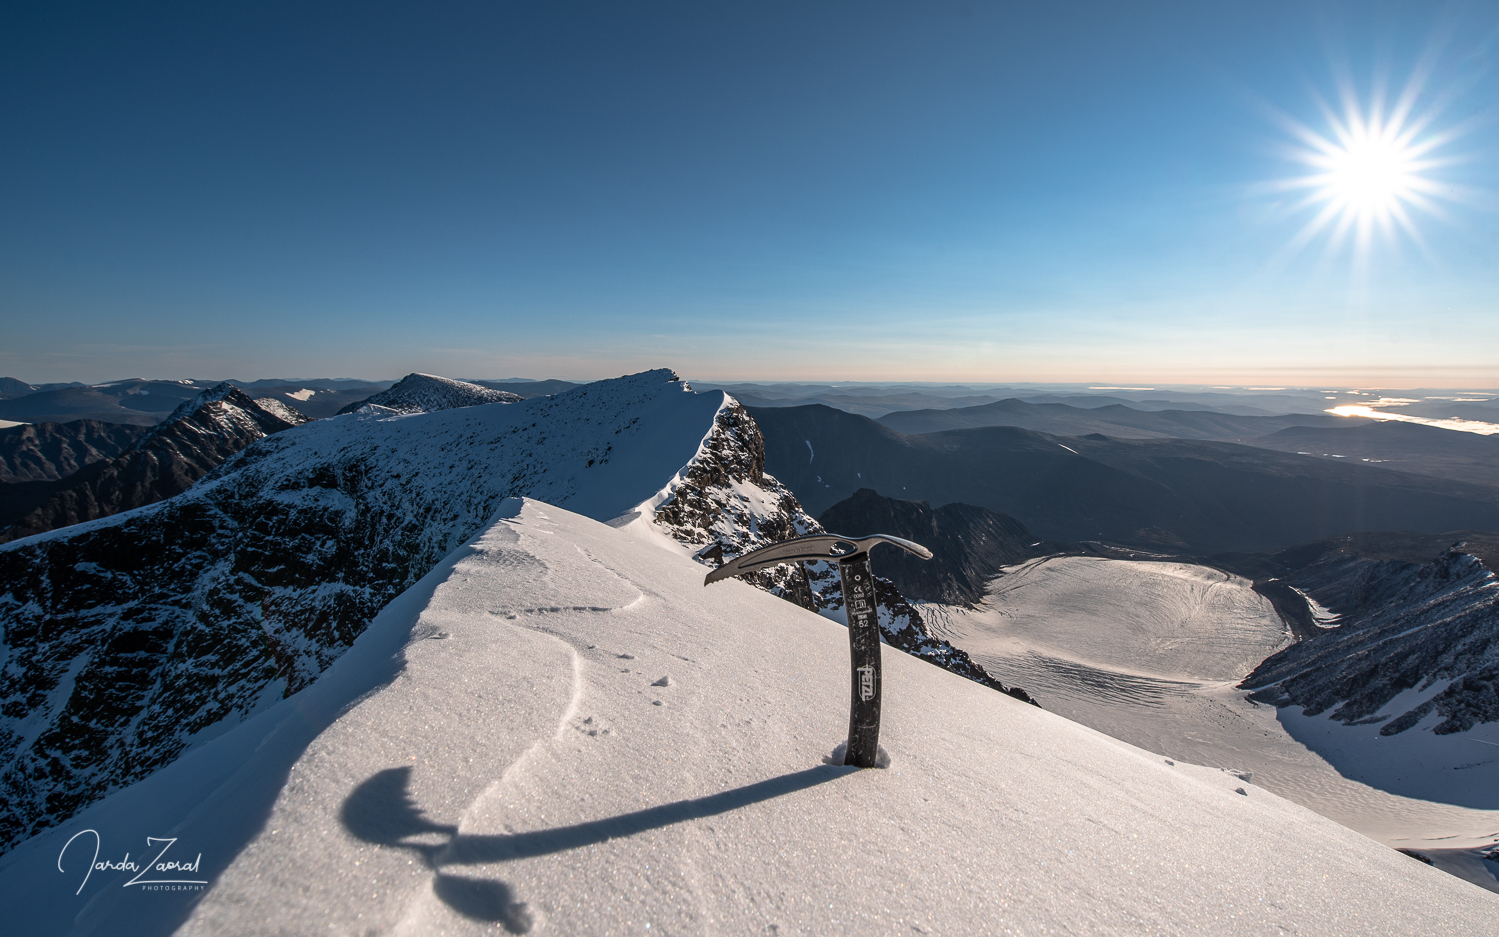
x,y
425,393
1153,653
498,750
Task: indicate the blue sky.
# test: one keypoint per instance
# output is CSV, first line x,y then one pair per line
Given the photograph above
x,y
827,191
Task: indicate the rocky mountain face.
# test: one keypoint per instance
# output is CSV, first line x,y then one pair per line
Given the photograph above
x,y
1431,628
134,637
162,462
282,411
725,505
428,393
48,451
969,544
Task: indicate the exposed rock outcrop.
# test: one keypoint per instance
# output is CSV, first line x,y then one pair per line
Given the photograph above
x,y
727,505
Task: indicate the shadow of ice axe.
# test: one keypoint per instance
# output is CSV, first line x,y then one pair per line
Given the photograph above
x,y
852,556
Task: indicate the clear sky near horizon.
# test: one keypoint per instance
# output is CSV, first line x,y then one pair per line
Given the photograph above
x,y
827,191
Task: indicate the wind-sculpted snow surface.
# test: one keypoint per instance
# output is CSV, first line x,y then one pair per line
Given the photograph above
x,y
1431,629
133,637
561,731
426,393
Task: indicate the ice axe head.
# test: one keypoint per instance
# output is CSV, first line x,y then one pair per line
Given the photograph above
x,y
816,547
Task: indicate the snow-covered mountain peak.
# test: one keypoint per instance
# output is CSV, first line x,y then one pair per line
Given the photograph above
x,y
426,393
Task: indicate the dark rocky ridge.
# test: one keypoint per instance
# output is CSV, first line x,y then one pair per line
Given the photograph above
x,y
48,451
1403,626
164,461
969,544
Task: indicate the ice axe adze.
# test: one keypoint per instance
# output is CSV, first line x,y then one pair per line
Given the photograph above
x,y
852,556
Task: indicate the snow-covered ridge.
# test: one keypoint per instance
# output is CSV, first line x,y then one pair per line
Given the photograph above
x,y
499,753
426,393
136,636
133,636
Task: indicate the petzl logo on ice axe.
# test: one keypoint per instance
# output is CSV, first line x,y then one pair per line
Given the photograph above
x,y
852,554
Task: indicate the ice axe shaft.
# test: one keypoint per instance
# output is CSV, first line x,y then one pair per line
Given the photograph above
x,y
862,607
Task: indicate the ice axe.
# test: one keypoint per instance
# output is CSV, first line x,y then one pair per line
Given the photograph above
x,y
852,556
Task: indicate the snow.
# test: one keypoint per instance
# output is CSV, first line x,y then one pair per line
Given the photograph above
x,y
7,424
304,395
1101,642
1322,616
492,751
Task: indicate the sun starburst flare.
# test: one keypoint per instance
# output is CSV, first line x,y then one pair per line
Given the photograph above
x,y
1370,170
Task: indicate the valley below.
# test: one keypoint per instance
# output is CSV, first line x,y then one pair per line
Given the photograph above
x,y
1152,653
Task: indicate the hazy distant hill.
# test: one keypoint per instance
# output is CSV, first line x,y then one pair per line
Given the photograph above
x,y
1170,493
135,401
529,389
1110,420
1408,447
317,399
164,461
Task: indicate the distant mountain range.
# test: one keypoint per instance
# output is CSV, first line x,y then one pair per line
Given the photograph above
x,y
160,463
1406,447
1169,494
140,402
1112,419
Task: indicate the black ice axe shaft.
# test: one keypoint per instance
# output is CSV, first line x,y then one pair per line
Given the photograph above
x,y
852,556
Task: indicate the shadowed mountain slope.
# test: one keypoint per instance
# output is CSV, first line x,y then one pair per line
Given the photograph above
x,y
969,544
49,451
1179,494
1404,447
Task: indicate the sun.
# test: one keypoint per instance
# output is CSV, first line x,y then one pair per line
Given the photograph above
x,y
1372,176
1369,171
